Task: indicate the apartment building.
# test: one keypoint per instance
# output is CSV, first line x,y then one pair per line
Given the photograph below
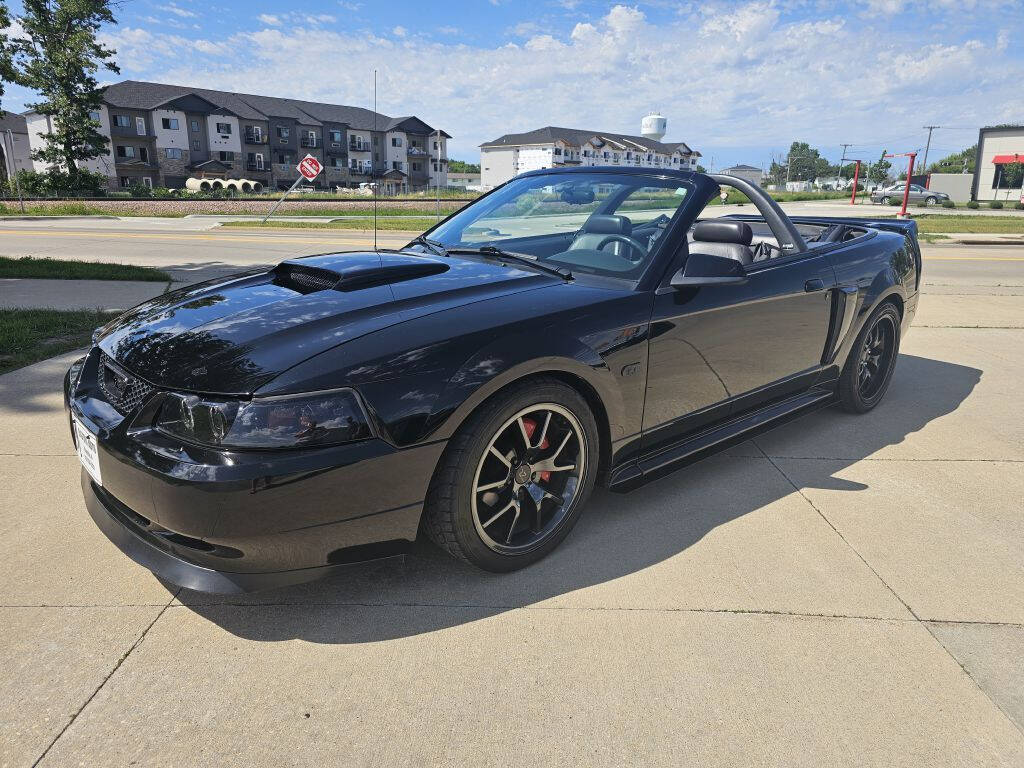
x,y
552,147
14,145
160,135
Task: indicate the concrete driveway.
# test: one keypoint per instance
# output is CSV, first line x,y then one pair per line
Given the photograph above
x,y
843,591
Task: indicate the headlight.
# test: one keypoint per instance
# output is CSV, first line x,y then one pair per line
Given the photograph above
x,y
290,421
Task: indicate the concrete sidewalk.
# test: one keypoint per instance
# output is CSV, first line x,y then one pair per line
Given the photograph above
x,y
76,294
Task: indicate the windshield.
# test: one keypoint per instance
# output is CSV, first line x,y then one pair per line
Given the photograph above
x,y
599,223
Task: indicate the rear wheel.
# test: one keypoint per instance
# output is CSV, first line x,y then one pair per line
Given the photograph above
x,y
512,482
931,200
885,200
869,369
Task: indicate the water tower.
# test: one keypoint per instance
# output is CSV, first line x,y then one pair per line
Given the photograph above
x,y
653,126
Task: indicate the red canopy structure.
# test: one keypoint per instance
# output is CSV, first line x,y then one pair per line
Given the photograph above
x,y
1006,159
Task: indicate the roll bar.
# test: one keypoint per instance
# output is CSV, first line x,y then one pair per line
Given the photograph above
x,y
789,237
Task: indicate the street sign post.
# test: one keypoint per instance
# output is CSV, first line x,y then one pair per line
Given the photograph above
x,y
309,168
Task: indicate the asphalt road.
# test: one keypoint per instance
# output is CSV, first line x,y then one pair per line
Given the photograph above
x,y
846,590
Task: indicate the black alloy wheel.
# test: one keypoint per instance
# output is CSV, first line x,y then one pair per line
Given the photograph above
x,y
514,478
869,369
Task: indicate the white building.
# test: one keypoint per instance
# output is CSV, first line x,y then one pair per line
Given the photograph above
x,y
998,148
551,147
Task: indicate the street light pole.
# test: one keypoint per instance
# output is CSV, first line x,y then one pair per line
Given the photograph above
x,y
924,164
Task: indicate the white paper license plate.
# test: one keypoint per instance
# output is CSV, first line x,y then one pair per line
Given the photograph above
x,y
88,453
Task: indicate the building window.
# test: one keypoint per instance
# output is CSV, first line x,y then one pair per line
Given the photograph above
x,y
283,133
435,167
172,154
170,123
396,165
416,166
284,159
255,161
194,125
122,121
435,145
257,133
140,126
196,145
223,127
94,116
336,137
147,181
226,157
127,181
126,152
337,162
558,151
396,141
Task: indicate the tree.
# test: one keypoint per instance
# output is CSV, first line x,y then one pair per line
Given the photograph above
x,y
802,163
5,55
57,58
958,162
879,172
460,166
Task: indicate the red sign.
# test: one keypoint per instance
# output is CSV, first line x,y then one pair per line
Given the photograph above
x,y
309,167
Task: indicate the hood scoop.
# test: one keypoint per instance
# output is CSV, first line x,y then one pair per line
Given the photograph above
x,y
352,272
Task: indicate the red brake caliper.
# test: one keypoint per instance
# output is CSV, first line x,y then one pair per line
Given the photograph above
x,y
531,427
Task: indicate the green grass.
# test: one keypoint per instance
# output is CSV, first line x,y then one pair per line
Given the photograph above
x,y
56,269
928,237
995,225
367,211
57,209
30,335
384,223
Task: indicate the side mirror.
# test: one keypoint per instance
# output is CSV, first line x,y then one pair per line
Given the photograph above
x,y
706,269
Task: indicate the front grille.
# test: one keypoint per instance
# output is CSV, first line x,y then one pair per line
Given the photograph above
x,y
123,390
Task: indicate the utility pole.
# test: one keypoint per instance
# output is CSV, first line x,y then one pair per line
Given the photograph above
x,y
924,164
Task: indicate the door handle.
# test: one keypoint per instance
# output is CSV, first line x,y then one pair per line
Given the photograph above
x,y
814,285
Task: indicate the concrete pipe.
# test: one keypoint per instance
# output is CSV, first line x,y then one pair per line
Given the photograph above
x,y
257,187
245,185
197,185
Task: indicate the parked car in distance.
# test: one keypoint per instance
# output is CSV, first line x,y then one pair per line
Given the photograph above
x,y
918,194
572,328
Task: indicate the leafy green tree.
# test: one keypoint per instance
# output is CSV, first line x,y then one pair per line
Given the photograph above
x,y
701,169
958,162
802,163
460,166
58,58
1012,176
5,54
880,171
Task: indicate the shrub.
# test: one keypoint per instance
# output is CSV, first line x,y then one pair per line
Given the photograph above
x,y
996,205
973,205
895,199
1019,205
948,204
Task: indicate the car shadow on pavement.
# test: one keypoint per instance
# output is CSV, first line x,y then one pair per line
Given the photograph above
x,y
618,534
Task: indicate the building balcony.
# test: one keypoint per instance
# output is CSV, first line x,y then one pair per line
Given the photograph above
x,y
417,152
256,167
134,162
361,170
309,143
336,148
131,132
251,138
353,147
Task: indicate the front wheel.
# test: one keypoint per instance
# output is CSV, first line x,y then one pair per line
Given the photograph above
x,y
931,200
513,480
869,369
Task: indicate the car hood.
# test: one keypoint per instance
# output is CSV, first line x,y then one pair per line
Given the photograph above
x,y
232,336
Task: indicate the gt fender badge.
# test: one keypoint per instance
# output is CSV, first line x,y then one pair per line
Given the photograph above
x,y
631,370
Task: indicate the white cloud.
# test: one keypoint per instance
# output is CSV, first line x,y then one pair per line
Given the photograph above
x,y
724,75
177,10
399,31
270,19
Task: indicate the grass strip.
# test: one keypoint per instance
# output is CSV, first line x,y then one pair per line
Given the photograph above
x,y
975,225
30,335
58,269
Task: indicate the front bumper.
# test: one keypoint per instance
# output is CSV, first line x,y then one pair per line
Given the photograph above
x,y
222,521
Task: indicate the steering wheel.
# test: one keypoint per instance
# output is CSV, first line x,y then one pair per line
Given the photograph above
x,y
636,245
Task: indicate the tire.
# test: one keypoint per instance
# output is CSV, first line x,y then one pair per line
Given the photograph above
x,y
931,200
885,200
478,526
879,340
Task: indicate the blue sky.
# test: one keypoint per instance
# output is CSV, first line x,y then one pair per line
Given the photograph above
x,y
737,80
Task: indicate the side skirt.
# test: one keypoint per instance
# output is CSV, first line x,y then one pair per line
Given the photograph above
x,y
718,438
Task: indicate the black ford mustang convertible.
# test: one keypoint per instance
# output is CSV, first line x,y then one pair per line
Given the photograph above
x,y
572,327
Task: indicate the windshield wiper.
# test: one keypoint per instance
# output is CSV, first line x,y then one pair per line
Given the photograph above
x,y
433,245
519,258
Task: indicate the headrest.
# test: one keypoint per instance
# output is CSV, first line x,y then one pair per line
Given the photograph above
x,y
723,231
607,224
